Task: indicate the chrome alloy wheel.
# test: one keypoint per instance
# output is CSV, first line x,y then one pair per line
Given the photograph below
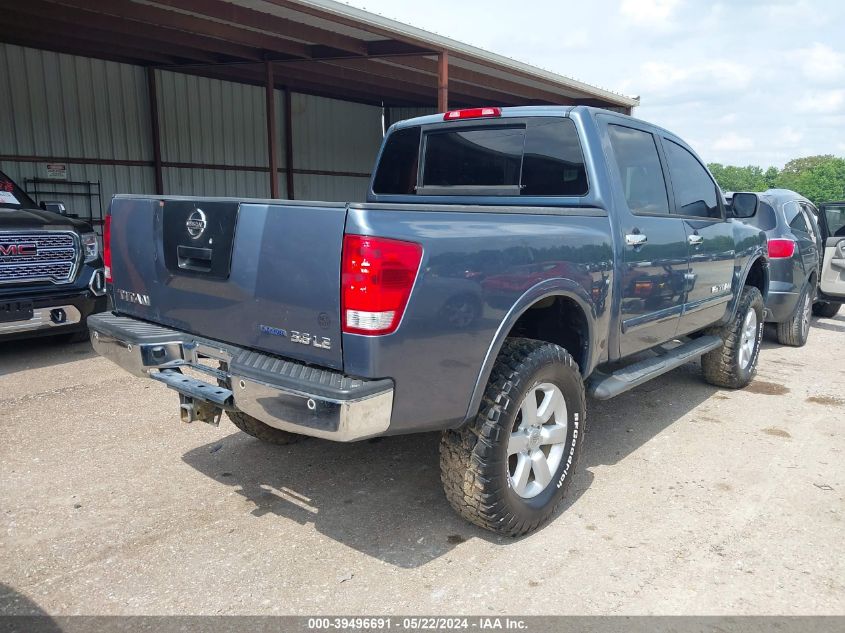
x,y
538,440
748,339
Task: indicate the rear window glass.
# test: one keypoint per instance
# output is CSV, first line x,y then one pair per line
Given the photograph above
x,y
12,196
397,171
535,157
798,223
484,157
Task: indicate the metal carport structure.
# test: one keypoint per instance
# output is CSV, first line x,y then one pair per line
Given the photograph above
x,y
319,48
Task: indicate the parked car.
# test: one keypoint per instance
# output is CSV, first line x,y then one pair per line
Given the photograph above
x,y
585,236
51,272
831,292
789,221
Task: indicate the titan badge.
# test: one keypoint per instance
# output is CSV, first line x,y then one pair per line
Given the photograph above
x,y
133,297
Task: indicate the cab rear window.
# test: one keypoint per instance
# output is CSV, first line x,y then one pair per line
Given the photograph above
x,y
531,157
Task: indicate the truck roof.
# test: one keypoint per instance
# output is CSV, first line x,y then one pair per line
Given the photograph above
x,y
529,111
525,111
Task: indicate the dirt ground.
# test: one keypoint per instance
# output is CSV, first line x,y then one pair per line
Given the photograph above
x,y
688,500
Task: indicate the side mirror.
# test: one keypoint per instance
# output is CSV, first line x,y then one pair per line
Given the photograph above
x,y
54,206
744,205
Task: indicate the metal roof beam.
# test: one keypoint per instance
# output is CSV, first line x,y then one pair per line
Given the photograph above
x,y
34,38
85,18
284,27
149,14
54,28
388,71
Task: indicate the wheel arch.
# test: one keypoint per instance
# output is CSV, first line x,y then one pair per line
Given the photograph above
x,y
755,273
574,297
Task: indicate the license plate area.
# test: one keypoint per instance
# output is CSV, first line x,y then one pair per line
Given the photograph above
x,y
15,311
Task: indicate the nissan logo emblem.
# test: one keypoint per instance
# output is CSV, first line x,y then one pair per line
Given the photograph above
x,y
196,224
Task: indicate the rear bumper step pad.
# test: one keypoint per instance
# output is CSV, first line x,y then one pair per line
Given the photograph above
x,y
282,393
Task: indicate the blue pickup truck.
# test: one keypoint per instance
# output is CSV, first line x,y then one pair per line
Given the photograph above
x,y
507,263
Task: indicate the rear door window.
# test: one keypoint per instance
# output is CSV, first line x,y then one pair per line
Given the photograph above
x,y
639,170
695,192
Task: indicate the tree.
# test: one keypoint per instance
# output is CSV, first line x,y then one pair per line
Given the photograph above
x,y
771,177
819,178
732,178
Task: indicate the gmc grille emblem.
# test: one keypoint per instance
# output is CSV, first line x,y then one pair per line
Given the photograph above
x,y
18,250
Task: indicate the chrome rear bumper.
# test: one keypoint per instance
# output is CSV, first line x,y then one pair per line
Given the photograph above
x,y
284,394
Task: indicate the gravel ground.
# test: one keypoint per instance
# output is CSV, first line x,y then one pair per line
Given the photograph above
x,y
688,500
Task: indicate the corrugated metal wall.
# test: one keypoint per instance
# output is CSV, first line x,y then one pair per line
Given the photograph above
x,y
400,114
213,122
332,135
58,106
69,109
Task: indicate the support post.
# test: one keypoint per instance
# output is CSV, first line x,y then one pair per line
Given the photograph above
x,y
443,81
289,144
154,129
272,147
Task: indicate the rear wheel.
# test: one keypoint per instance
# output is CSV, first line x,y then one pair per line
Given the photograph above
x,y
735,363
507,470
826,309
795,330
263,432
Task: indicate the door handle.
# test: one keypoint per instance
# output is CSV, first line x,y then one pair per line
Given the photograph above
x,y
635,239
695,240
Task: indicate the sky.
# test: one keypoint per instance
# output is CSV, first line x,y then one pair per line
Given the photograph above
x,y
745,82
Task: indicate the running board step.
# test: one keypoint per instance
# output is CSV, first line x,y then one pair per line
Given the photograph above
x,y
606,386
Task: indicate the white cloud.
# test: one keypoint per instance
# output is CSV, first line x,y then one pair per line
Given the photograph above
x,y
717,73
824,102
790,136
675,78
649,12
821,63
732,142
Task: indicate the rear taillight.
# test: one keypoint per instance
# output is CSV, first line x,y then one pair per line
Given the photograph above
x,y
779,249
471,113
107,247
377,275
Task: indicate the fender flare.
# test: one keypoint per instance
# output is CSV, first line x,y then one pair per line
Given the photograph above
x,y
558,287
758,254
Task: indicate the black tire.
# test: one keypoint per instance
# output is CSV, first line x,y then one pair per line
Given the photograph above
x,y
258,429
796,329
474,462
722,366
826,309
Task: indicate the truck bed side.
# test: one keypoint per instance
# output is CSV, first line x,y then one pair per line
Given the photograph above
x,y
480,271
